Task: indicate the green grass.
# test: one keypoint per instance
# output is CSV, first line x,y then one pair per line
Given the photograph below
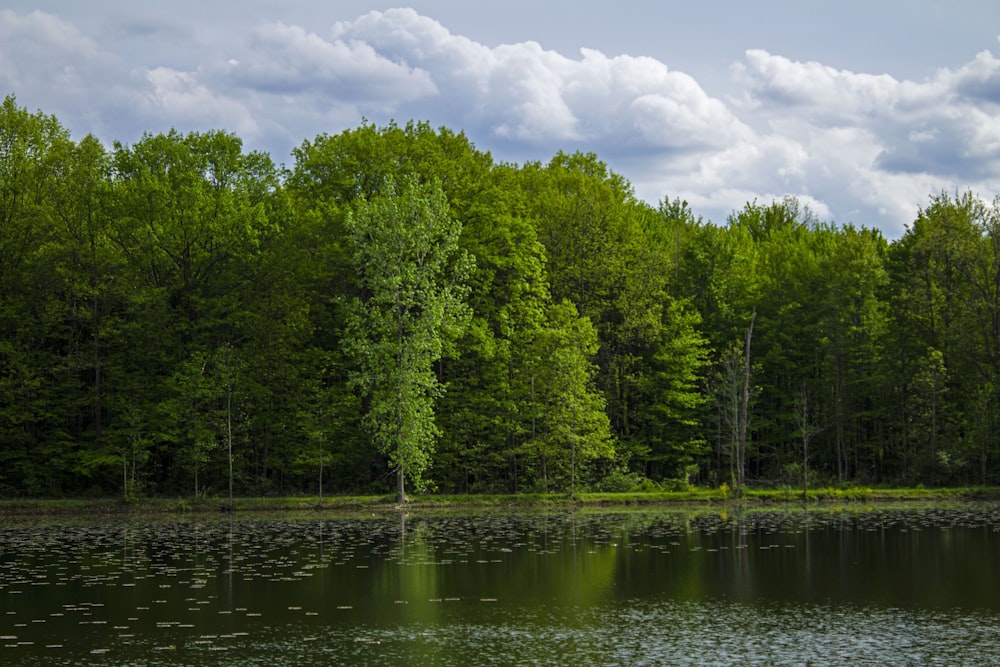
x,y
868,494
386,503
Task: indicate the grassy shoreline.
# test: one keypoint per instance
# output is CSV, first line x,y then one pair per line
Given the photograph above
x,y
752,498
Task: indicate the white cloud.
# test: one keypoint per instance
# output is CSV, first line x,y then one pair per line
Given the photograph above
x,y
978,80
877,147
527,94
827,92
646,102
48,61
287,60
405,35
856,147
182,97
40,53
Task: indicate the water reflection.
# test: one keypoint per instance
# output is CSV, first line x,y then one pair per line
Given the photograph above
x,y
636,587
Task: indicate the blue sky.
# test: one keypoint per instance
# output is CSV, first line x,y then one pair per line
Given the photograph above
x,y
862,110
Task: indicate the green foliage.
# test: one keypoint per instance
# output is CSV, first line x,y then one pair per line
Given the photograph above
x,y
178,314
411,306
569,427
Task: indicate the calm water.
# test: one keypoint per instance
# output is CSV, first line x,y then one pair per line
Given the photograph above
x,y
664,587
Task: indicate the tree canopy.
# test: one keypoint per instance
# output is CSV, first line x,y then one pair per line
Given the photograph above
x,y
396,309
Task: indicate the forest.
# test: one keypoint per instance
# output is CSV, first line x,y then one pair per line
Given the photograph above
x,y
182,316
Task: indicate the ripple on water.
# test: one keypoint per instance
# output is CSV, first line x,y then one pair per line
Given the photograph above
x,y
153,593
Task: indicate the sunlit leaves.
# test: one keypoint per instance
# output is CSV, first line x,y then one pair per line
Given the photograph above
x,y
410,269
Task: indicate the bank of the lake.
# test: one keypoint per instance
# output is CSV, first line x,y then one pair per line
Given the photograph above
x,y
385,503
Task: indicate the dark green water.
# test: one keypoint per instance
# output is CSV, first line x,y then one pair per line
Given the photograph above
x,y
884,587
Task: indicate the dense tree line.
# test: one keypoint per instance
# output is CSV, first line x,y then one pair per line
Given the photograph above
x,y
181,316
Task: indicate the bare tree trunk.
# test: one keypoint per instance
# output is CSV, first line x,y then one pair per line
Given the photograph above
x,y
841,449
96,320
400,486
744,419
229,439
572,463
808,430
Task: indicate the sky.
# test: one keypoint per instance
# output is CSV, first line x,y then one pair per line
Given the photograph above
x,y
861,109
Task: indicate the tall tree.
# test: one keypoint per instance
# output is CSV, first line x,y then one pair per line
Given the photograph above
x,y
946,289
668,415
483,416
569,426
744,416
35,382
192,220
92,297
410,272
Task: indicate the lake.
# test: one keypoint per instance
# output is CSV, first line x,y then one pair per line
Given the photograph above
x,y
664,586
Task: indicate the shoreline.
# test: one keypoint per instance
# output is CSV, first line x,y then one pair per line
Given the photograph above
x,y
27,507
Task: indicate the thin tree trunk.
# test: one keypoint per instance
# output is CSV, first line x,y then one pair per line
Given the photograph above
x,y
744,409
805,469
400,426
96,321
229,438
516,490
807,431
263,458
572,462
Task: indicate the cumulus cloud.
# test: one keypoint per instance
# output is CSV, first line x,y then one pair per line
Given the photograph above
x,y
829,94
979,81
49,62
939,133
287,60
952,110
854,146
398,60
187,101
39,51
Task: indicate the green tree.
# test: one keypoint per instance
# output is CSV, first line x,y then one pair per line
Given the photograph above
x,y
852,319
192,222
411,306
38,384
331,174
188,416
93,298
945,282
483,417
670,416
569,425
